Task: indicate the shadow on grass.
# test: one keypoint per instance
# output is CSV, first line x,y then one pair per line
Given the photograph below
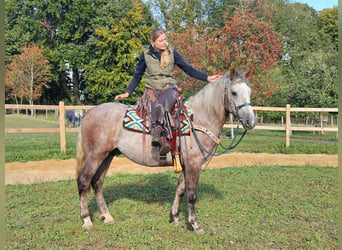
x,y
155,188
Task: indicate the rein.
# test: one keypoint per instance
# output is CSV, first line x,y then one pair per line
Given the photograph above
x,y
225,149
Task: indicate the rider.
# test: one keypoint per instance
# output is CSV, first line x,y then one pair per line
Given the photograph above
x,y
158,62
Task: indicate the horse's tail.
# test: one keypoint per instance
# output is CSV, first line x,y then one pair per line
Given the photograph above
x,y
80,155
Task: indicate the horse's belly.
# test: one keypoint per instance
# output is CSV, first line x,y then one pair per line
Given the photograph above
x,y
137,147
145,158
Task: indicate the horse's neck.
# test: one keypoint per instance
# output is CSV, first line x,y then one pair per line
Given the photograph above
x,y
208,120
208,111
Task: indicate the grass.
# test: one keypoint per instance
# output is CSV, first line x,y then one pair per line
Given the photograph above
x,y
36,146
23,121
42,146
278,207
263,141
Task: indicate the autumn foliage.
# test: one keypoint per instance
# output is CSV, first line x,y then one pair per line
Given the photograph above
x,y
244,41
27,74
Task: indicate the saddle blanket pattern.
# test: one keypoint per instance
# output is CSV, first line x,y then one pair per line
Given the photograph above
x,y
132,121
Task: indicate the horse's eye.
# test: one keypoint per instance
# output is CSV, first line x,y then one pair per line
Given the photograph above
x,y
234,93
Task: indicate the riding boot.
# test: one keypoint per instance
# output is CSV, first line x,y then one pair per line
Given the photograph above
x,y
159,145
156,132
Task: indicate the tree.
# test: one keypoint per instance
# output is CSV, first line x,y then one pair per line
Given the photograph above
x,y
317,86
308,66
117,48
28,74
328,24
20,27
244,41
173,15
56,25
216,9
65,29
309,62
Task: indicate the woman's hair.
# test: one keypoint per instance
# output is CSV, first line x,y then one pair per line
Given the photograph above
x,y
156,33
164,61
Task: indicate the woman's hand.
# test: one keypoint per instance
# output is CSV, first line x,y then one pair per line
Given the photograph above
x,y
122,96
213,78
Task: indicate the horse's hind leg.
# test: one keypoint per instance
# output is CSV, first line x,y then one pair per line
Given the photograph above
x,y
93,167
97,184
83,182
180,190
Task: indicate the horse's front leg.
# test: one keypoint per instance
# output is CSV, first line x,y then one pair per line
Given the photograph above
x,y
192,174
180,191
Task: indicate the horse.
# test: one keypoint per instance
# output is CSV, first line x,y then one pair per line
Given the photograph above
x,y
102,137
74,117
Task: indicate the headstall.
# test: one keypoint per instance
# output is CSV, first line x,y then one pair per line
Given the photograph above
x,y
229,105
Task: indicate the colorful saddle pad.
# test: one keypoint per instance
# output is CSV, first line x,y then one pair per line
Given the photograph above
x,y
134,122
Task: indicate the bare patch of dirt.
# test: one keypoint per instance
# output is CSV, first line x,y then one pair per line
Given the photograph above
x,y
55,170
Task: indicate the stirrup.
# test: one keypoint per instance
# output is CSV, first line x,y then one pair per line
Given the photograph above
x,y
164,147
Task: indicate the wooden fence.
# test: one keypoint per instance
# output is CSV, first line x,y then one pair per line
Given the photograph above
x,y
286,126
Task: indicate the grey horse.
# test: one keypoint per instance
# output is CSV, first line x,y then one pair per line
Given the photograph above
x,y
102,136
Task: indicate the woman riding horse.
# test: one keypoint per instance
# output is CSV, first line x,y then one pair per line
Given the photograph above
x,y
158,62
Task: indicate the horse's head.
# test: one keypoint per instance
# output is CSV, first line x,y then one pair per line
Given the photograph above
x,y
238,94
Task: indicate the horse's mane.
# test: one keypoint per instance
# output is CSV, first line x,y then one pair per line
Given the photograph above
x,y
210,97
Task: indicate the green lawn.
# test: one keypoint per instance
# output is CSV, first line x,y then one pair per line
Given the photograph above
x,y
278,207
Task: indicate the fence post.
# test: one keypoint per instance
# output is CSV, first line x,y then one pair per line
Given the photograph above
x,y
62,126
288,125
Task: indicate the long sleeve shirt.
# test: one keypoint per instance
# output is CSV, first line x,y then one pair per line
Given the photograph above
x,y
179,61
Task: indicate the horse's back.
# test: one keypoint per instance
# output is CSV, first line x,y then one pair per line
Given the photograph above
x,y
110,111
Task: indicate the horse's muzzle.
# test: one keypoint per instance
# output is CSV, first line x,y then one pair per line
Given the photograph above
x,y
247,118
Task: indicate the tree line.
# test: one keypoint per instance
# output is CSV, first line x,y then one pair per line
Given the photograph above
x,y
85,51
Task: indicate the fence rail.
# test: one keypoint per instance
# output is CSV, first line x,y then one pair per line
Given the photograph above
x,y
287,127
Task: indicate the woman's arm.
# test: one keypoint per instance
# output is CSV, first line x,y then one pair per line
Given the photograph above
x,y
180,62
138,74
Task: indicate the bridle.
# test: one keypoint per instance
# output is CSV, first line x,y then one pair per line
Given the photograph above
x,y
229,105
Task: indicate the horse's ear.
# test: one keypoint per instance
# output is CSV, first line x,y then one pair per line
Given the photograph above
x,y
232,74
250,72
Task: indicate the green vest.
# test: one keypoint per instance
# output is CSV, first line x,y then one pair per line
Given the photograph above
x,y
157,78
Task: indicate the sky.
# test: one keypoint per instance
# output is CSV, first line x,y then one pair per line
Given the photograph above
x,y
318,4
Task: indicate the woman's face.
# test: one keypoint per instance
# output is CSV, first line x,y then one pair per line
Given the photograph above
x,y
160,44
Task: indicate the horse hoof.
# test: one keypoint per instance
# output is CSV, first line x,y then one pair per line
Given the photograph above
x,y
87,224
177,224
107,218
87,227
108,221
199,231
